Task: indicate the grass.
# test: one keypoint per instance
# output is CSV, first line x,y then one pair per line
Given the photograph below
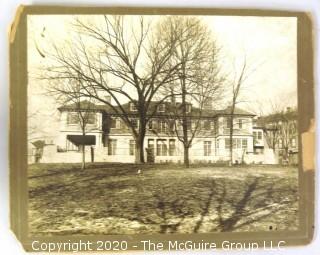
x,y
114,199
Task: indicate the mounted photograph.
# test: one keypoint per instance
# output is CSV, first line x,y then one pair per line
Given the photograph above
x,y
162,124
149,123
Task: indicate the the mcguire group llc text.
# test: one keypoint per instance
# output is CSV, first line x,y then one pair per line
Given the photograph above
x,y
148,245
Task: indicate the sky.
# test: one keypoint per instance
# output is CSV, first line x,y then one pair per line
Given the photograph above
x,y
267,43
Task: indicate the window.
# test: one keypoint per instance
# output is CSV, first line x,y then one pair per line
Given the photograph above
x,y
112,146
115,123
133,107
189,124
70,146
172,126
151,146
280,143
257,135
236,143
172,147
228,122
72,118
150,125
135,123
254,135
193,125
162,147
163,127
90,118
207,124
207,148
240,122
258,151
188,108
293,142
244,144
212,124
132,145
179,125
161,108
227,143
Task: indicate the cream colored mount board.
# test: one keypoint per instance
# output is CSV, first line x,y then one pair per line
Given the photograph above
x,y
150,129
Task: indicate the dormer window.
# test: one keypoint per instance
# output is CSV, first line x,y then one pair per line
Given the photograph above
x,y
115,123
161,108
134,123
133,107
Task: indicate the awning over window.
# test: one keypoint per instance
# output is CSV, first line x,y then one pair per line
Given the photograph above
x,y
38,143
82,140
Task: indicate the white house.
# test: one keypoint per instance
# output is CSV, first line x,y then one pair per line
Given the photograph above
x,y
108,139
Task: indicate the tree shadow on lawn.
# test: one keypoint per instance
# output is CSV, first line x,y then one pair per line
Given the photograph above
x,y
217,206
168,205
258,200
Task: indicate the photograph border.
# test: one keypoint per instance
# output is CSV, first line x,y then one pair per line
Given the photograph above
x,y
18,128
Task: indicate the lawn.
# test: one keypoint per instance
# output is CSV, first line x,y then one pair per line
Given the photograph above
x,y
114,199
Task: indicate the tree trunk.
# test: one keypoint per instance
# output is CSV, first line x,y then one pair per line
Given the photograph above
x,y
185,119
286,151
230,138
137,151
139,148
83,165
186,156
142,134
142,150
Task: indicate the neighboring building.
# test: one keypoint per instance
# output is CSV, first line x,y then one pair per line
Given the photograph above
x,y
108,139
281,135
262,153
258,140
37,148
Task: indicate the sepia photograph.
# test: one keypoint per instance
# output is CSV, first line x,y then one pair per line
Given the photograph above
x,y
162,124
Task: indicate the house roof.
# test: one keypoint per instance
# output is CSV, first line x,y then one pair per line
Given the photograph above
x,y
237,111
170,108
84,105
266,121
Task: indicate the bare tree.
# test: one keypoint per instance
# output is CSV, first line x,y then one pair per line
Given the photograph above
x,y
236,89
238,85
84,114
123,59
198,80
